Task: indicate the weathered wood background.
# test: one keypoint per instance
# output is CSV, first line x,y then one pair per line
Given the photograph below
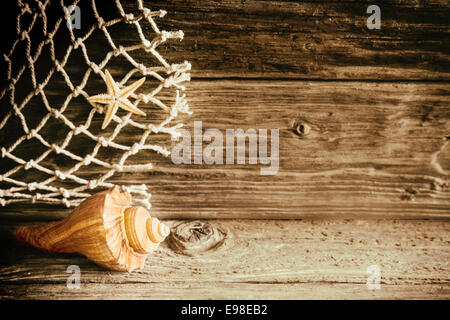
x,y
368,184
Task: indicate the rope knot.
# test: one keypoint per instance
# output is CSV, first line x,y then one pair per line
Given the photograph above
x,y
32,134
60,175
64,193
101,22
142,68
87,160
92,184
164,35
103,141
174,111
32,186
95,67
36,197
146,43
40,88
29,165
77,91
79,129
135,148
17,112
120,50
56,148
175,135
146,12
12,83
56,113
65,202
152,128
168,82
58,66
77,43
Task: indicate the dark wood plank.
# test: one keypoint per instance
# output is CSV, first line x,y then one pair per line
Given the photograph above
x,y
260,259
308,39
373,149
323,39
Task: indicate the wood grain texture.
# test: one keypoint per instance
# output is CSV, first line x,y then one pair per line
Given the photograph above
x,y
257,259
322,39
223,291
373,144
308,39
373,149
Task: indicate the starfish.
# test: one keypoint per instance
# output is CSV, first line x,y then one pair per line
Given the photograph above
x,y
116,98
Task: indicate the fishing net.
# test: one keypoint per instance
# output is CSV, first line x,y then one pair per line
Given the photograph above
x,y
45,161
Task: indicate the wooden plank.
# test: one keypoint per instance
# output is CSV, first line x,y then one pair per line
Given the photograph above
x,y
322,39
373,149
223,291
306,39
258,259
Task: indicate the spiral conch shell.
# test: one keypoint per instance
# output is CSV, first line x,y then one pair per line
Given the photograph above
x,y
105,229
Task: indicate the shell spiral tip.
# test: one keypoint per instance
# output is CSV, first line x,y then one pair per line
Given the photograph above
x,y
164,230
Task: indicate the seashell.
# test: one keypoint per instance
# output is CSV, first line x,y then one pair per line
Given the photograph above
x,y
105,229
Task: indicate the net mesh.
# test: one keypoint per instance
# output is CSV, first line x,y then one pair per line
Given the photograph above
x,y
76,187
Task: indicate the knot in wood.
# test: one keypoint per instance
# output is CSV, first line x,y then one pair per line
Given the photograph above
x,y
193,237
301,128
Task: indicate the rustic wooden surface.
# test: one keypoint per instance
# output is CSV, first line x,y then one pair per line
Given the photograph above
x,y
377,105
